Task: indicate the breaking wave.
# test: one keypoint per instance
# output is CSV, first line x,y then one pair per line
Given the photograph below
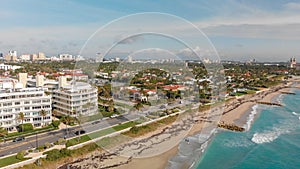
x,y
251,117
271,135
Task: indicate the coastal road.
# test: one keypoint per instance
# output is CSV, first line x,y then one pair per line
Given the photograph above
x,y
51,137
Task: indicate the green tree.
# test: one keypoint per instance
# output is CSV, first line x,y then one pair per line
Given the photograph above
x,y
43,113
138,106
67,120
21,117
78,121
3,132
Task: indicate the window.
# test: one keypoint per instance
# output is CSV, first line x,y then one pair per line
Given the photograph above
x,y
36,107
36,101
37,119
7,104
46,100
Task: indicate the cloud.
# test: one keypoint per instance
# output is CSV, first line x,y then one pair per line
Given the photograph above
x,y
292,6
239,45
195,53
128,40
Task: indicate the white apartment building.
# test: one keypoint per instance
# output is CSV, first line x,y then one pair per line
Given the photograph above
x,y
30,101
65,57
9,67
41,81
77,98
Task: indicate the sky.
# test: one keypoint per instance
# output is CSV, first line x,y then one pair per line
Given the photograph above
x,y
266,30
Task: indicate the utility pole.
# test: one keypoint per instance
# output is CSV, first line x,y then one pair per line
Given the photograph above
x,y
36,140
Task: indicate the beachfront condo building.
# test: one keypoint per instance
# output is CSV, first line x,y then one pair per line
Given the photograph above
x,y
15,99
77,98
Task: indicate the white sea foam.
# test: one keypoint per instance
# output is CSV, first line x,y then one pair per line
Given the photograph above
x,y
271,135
251,117
278,99
237,142
296,114
260,138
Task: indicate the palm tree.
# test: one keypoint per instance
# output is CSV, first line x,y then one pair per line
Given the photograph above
x,y
138,106
21,117
54,113
78,121
67,120
3,132
43,113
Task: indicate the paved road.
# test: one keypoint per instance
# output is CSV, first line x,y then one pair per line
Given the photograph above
x,y
50,137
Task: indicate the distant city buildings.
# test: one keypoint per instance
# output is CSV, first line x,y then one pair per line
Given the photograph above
x,y
99,57
293,63
129,59
66,57
25,57
8,67
12,53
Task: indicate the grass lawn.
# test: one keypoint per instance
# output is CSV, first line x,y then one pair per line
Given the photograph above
x,y
13,135
10,160
142,130
100,133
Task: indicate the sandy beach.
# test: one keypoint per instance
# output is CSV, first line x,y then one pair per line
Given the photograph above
x,y
155,149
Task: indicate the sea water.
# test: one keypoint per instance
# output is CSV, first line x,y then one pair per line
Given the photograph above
x,y
271,142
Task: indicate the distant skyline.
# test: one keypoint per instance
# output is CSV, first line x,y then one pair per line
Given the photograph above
x,y
240,30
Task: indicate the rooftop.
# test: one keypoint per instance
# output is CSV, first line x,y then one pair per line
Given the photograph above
x,y
77,86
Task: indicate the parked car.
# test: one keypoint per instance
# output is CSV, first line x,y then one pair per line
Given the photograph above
x,y
95,122
114,115
80,132
21,138
162,107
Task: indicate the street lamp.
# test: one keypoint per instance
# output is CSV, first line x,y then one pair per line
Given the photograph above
x,y
36,140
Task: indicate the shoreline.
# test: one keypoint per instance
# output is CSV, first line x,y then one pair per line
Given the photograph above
x,y
237,111
238,116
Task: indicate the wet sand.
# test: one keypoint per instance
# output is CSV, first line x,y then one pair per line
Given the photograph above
x,y
235,112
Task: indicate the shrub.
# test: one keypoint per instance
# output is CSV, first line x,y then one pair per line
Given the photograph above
x,y
47,145
61,141
25,127
53,155
65,152
69,143
56,154
40,148
21,154
55,123
134,130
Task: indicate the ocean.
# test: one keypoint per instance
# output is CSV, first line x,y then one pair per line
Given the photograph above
x,y
271,142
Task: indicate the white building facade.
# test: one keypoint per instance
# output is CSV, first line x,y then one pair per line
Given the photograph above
x,y
9,67
29,101
76,99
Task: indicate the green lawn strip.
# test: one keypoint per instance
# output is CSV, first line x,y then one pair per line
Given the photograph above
x,y
123,105
10,160
11,136
137,131
100,133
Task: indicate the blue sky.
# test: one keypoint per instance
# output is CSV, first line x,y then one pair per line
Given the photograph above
x,y
240,30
